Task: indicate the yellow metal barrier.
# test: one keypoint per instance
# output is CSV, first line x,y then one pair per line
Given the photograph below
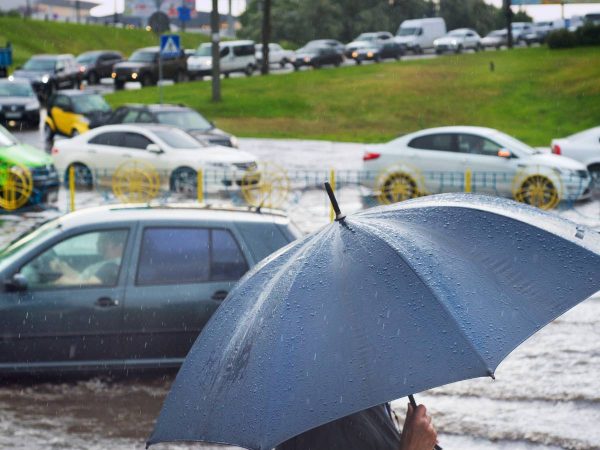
x,y
200,187
332,183
135,182
16,186
468,176
72,187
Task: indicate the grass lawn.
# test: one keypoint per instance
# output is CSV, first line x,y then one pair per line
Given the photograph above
x,y
535,94
29,37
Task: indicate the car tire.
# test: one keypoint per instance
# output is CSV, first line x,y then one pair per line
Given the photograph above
x,y
184,180
84,179
48,133
338,63
417,50
283,63
539,191
397,187
146,80
459,49
249,70
92,78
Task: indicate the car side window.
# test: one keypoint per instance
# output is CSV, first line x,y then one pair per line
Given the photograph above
x,y
88,259
145,117
130,116
114,139
224,52
174,255
441,142
60,65
136,140
227,261
477,145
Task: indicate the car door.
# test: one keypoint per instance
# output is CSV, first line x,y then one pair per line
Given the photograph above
x,y
135,147
183,272
104,153
437,157
226,59
62,114
491,173
71,312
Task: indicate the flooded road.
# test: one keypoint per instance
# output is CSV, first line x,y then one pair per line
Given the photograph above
x,y
546,394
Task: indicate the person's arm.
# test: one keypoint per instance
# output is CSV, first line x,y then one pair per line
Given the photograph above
x,y
418,432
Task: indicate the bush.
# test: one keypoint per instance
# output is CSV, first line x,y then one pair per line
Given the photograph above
x,y
586,35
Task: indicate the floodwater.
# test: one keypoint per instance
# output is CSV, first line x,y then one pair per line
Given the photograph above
x,y
546,394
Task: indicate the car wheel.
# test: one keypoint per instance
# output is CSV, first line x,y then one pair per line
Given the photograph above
x,y
539,191
337,63
147,80
92,78
459,49
283,63
83,176
397,187
184,181
594,170
249,70
48,133
418,50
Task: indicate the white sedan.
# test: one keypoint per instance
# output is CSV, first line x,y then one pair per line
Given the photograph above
x,y
458,40
584,147
475,159
171,153
277,55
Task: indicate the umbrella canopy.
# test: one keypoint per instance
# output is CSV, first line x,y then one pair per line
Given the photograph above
x,y
384,303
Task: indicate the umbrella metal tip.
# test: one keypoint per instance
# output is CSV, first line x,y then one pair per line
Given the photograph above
x,y
491,374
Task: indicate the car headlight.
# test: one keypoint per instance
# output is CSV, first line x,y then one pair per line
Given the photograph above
x,y
134,75
306,59
234,141
208,63
32,106
45,78
113,75
354,54
370,54
567,173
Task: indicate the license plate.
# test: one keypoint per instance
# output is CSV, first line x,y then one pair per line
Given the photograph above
x,y
13,115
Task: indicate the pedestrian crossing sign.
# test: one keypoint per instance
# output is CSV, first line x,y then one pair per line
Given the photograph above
x,y
169,46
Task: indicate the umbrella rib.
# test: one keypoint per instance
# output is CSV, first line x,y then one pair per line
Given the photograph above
x,y
369,229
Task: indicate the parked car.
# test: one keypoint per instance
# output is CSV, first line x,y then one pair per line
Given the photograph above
x,y
143,66
495,39
318,56
583,147
235,56
73,112
18,103
18,156
179,116
48,73
434,160
458,40
175,155
277,55
520,31
375,51
377,36
418,34
98,64
337,45
120,288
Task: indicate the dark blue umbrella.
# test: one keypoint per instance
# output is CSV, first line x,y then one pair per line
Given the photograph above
x,y
384,303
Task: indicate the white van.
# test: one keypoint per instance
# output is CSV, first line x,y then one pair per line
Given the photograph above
x,y
236,56
418,34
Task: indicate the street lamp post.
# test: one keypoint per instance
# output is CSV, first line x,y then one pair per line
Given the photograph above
x,y
216,69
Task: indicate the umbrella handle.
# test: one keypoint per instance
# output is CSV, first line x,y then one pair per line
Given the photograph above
x,y
411,398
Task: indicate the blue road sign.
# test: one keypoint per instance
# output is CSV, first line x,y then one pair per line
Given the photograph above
x,y
169,46
184,13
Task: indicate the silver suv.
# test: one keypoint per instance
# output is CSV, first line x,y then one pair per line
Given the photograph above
x,y
124,287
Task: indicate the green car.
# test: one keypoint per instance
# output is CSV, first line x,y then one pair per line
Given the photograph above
x,y
16,187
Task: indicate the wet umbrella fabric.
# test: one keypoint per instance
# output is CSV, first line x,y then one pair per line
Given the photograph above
x,y
387,302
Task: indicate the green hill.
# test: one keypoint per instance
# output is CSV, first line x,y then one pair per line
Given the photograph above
x,y
534,94
29,37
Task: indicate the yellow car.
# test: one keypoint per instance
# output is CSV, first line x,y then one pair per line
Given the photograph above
x,y
73,112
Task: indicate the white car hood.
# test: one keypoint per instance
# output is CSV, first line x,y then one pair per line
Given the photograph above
x,y
555,161
448,40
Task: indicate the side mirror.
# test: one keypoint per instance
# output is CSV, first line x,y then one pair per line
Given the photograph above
x,y
504,153
17,282
154,148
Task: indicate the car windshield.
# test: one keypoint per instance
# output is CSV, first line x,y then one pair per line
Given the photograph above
x,y
177,139
87,58
11,89
187,120
143,56
515,144
204,50
408,31
366,37
40,64
6,139
83,104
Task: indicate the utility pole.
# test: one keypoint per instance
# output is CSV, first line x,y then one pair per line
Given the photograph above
x,y
230,22
508,14
266,36
216,69
78,10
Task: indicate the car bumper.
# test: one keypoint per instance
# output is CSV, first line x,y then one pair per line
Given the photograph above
x,y
32,117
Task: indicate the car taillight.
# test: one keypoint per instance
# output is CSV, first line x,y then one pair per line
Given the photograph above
x,y
556,149
54,151
370,155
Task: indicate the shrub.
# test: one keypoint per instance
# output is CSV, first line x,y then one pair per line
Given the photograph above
x,y
587,35
561,39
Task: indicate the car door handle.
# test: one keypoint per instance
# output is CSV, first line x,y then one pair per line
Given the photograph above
x,y
219,295
105,302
